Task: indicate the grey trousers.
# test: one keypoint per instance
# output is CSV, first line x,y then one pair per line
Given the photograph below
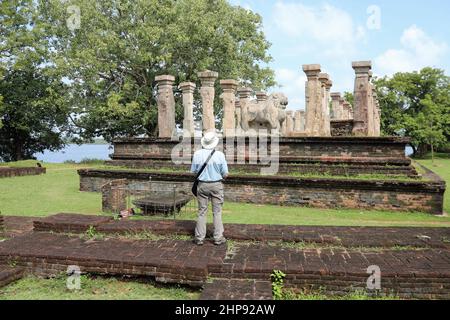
x,y
206,191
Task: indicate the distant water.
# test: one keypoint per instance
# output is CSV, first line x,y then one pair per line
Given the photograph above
x,y
409,151
76,153
94,151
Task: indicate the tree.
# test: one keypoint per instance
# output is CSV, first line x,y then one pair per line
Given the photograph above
x,y
348,96
34,116
112,59
416,105
33,113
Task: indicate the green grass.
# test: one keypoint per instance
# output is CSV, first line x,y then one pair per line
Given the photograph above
x,y
93,288
441,167
57,191
53,192
357,295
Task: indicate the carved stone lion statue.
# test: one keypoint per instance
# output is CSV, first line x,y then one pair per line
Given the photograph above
x,y
269,114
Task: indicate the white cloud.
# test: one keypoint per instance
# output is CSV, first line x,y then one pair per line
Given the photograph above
x,y
292,83
418,50
330,29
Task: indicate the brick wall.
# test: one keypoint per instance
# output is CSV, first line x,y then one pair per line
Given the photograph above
x,y
422,196
7,172
290,149
114,196
340,169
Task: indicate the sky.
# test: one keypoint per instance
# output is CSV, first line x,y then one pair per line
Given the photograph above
x,y
396,35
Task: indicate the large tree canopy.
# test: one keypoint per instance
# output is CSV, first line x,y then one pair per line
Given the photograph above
x,y
416,105
33,113
112,59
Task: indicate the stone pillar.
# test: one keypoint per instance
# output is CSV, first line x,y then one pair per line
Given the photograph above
x,y
261,96
362,113
114,196
237,106
376,114
244,99
208,78
336,107
323,128
188,104
347,111
289,122
298,121
313,95
303,121
229,101
166,106
327,117
371,131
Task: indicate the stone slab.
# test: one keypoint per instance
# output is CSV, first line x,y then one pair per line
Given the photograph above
x,y
71,222
169,261
10,274
385,237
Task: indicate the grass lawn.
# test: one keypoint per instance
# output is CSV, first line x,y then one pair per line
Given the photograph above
x,y
93,288
57,191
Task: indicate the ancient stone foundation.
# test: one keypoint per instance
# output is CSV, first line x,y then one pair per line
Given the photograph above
x,y
421,196
387,150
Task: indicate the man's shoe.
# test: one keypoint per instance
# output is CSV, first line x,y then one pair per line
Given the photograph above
x,y
198,242
220,242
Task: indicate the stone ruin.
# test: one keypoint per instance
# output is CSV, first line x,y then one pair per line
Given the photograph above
x,y
331,137
327,113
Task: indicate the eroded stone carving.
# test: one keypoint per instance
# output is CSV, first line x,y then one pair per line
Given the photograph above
x,y
229,100
269,114
207,91
188,104
166,106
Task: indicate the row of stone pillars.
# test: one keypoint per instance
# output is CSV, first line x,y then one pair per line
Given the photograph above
x,y
365,112
166,103
231,105
315,121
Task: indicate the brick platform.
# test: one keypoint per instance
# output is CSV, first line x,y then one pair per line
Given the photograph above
x,y
169,261
341,236
409,274
70,222
232,289
15,226
9,274
7,172
393,195
243,270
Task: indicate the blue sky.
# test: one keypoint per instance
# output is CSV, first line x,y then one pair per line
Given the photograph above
x,y
397,35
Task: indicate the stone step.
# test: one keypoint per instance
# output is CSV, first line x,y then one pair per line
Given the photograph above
x,y
169,261
385,237
10,274
422,274
237,289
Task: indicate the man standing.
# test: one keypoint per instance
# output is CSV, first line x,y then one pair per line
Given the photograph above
x,y
210,187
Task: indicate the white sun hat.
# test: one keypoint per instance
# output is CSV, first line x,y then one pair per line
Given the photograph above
x,y
210,140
